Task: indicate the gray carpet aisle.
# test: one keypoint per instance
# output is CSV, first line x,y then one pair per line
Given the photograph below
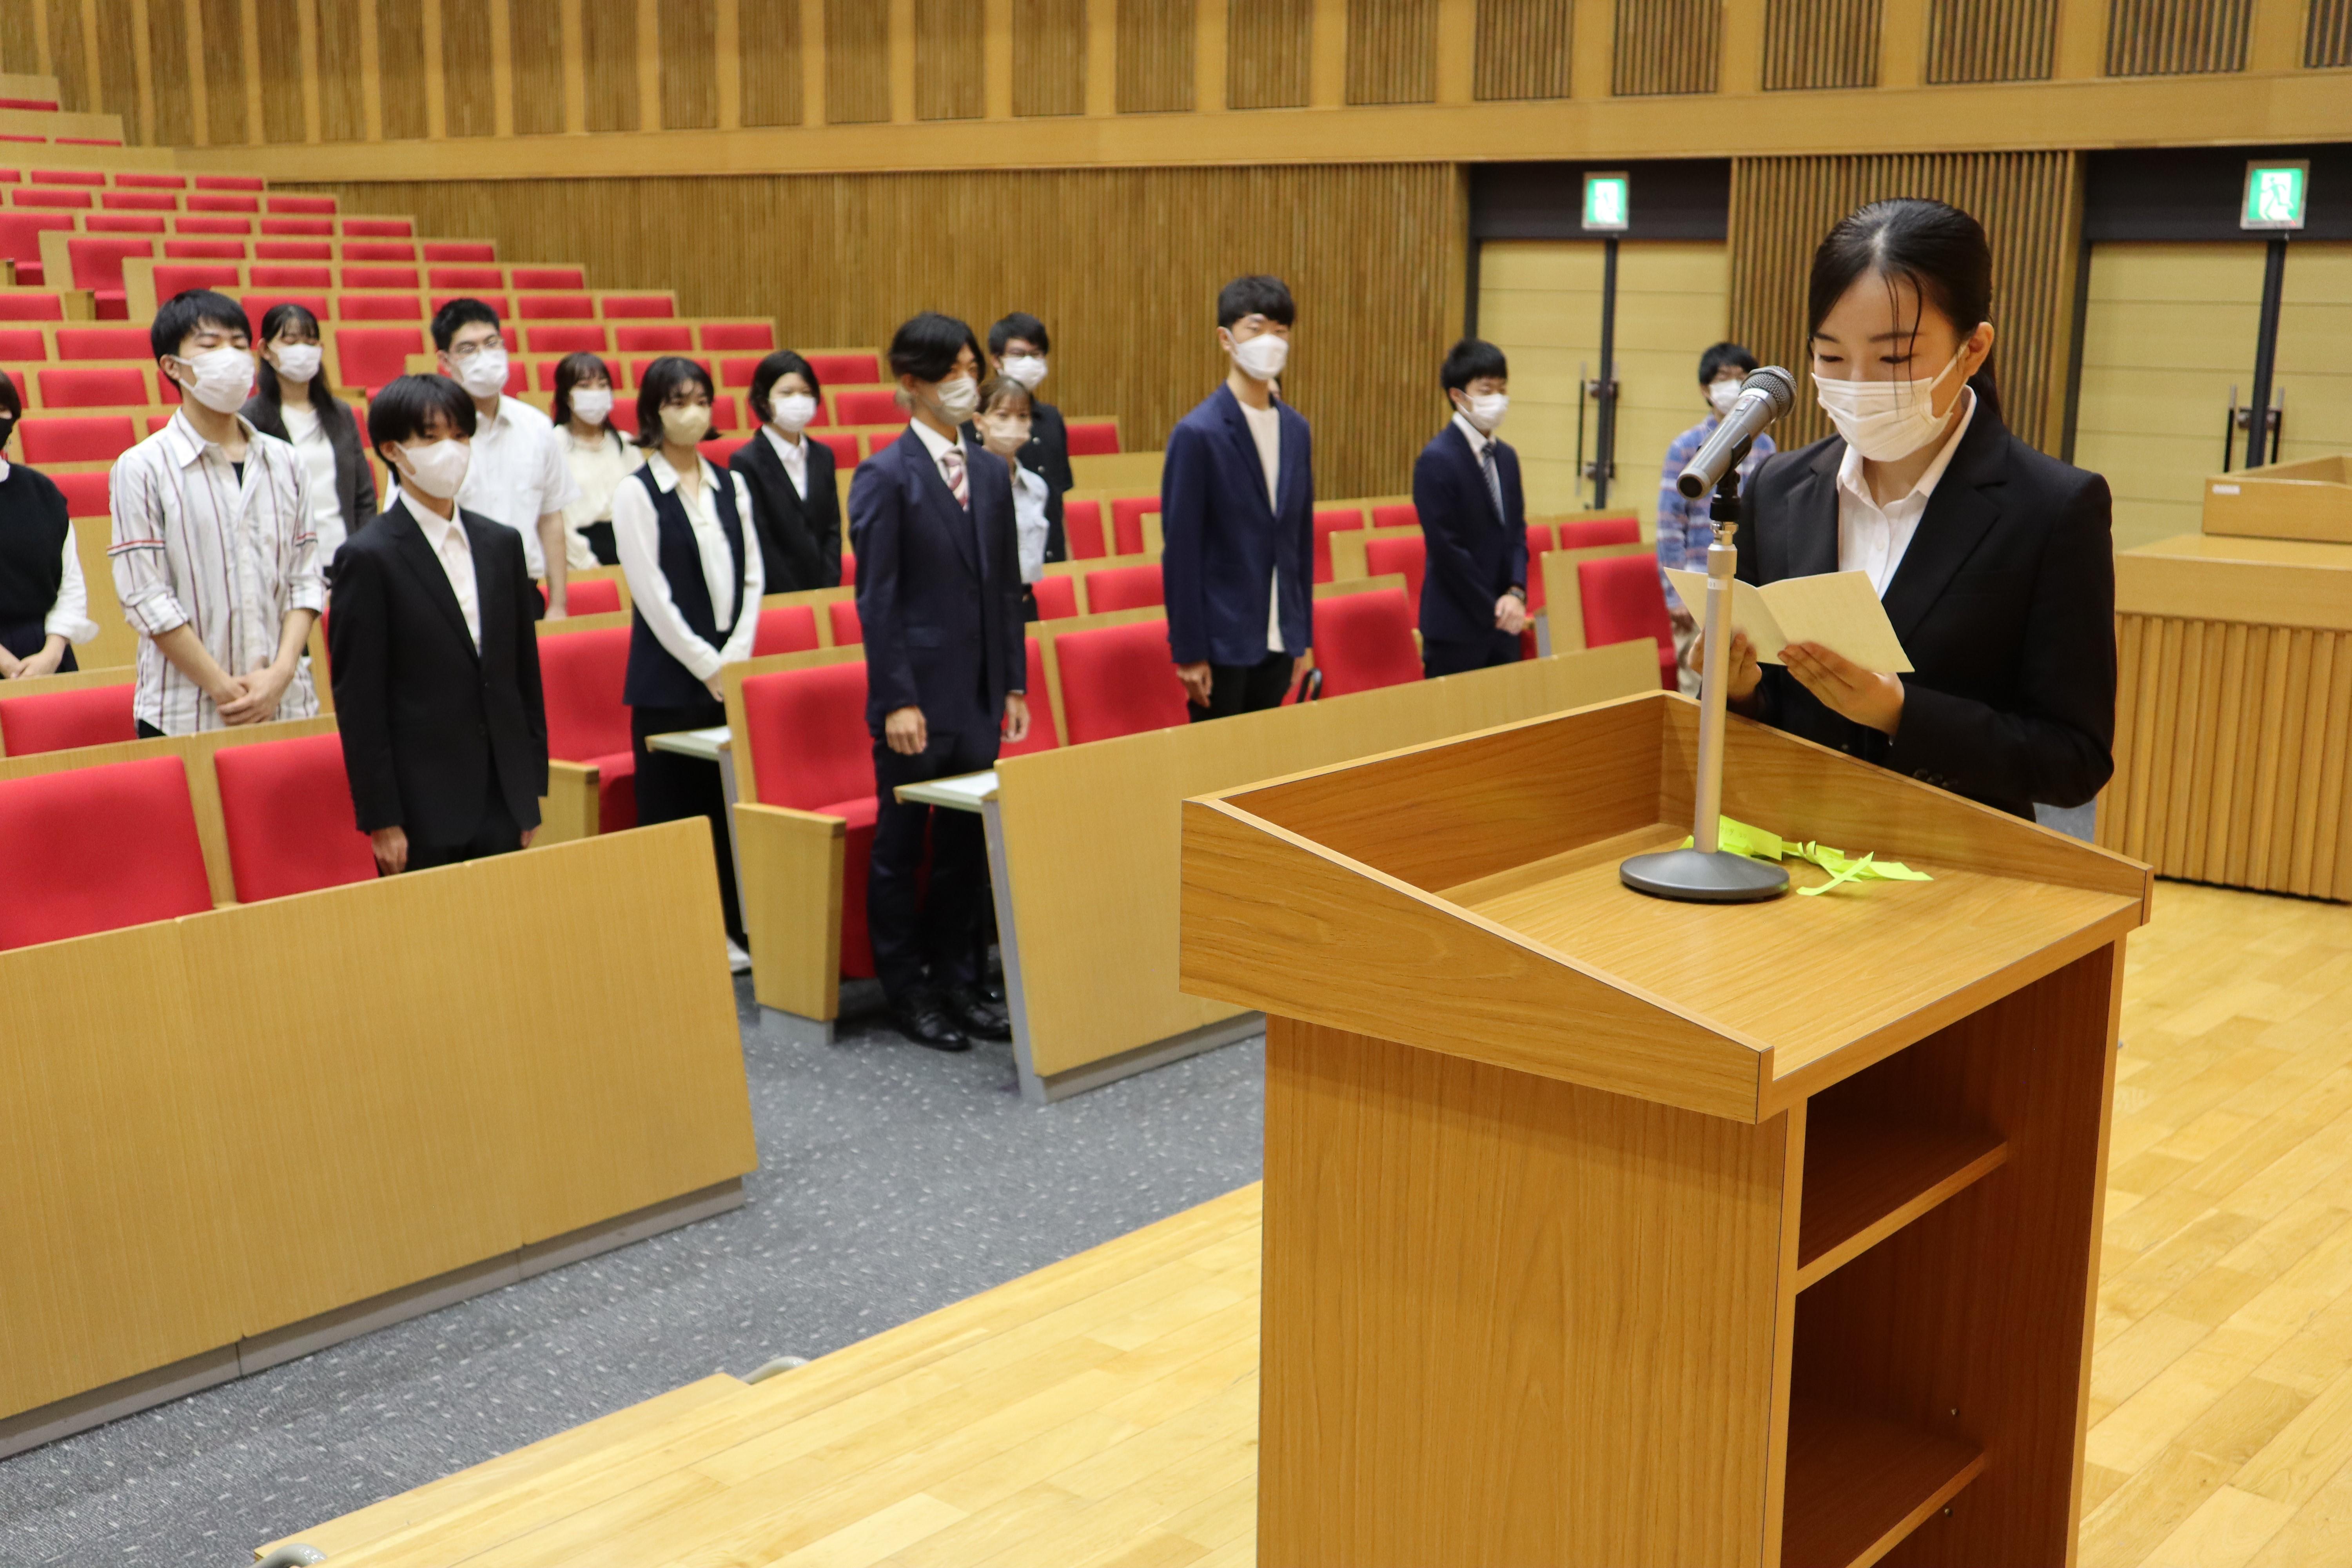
x,y
892,1181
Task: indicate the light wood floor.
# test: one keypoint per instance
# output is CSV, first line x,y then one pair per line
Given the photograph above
x,y
1104,1410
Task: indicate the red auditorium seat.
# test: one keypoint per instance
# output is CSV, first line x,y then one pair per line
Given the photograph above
x,y
94,386
1117,680
292,250
637,307
285,275
849,569
379,277
461,277
810,751
176,276
374,356
1057,600
625,415
1382,556
676,338
847,632
590,596
379,307
565,339
1539,544
849,369
286,807
537,277
214,223
1364,641
103,343
1539,540
258,304
755,337
18,344
230,183
313,227
29,307
720,448
97,258
315,205
76,438
1399,515
376,228
139,201
87,494
581,676
92,849
66,721
737,370
38,196
554,308
214,202
20,241
863,406
1043,736
498,302
1600,531
1127,522
90,177
1623,601
204,250
1327,524
137,182
1082,530
1094,438
844,447
460,250
1123,588
787,628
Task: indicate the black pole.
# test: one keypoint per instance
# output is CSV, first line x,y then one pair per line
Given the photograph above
x,y
1604,422
1470,291
2258,410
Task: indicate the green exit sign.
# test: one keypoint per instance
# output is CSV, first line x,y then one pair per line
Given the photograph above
x,y
2274,194
1608,203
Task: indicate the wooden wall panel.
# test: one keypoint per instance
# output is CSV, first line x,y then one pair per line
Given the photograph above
x,y
1520,50
689,64
1154,54
537,29
608,48
2167,37
118,64
69,57
167,50
223,65
20,53
856,61
947,72
342,99
771,62
1665,46
1268,53
2327,34
1391,51
1990,40
1128,288
1820,43
281,71
400,66
1049,57
2029,204
468,100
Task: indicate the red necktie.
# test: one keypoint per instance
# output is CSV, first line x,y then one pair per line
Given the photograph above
x,y
951,460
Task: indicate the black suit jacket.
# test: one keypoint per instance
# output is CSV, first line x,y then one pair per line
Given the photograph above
x,y
2004,600
354,484
938,588
424,717
1046,454
1474,556
800,539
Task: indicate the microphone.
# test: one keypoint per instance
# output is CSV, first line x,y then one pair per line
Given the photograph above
x,y
1765,397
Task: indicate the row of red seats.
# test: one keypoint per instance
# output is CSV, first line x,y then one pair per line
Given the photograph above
x,y
70,199
122,180
62,141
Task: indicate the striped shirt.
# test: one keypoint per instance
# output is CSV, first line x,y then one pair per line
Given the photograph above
x,y
1684,531
195,546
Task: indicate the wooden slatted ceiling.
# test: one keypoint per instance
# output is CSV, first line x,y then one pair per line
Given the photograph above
x,y
689,64
1990,40
1268,53
770,34
2327,34
608,47
468,98
1820,43
948,84
1155,50
537,26
2165,37
1391,51
856,61
1520,50
1049,57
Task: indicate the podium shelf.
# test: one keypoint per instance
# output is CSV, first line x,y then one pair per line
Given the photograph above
x,y
1867,1178
1858,1485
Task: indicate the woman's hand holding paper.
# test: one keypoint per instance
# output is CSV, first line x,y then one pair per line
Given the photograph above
x,y
1846,687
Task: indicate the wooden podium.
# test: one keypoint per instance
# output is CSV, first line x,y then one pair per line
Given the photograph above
x,y
1603,1230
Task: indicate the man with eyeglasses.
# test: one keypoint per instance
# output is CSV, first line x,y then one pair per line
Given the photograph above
x,y
518,476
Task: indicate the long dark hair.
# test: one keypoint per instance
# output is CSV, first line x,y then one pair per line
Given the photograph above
x,y
570,371
323,402
661,378
1939,249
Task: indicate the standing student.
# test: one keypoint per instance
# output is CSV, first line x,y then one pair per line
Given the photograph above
x,y
1474,522
292,401
1684,529
597,455
434,653
1237,513
1017,346
43,603
684,532
938,594
518,476
1004,422
797,504
215,555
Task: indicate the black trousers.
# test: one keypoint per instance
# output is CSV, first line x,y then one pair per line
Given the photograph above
x,y
1475,653
497,834
671,788
1245,688
944,943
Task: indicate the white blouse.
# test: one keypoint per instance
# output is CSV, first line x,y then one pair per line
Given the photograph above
x,y
304,430
598,466
637,535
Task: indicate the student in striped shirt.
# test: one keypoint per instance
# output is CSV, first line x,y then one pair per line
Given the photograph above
x,y
1683,528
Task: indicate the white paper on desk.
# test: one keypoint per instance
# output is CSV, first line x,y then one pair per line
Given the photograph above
x,y
1839,610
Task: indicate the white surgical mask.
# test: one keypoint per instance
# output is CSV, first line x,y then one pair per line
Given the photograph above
x,y
484,375
1263,356
793,411
1885,420
684,427
223,376
437,468
1026,369
298,362
959,395
591,404
1486,410
1721,395
1003,433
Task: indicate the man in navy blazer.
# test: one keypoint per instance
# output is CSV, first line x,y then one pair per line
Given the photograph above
x,y
1237,513
939,596
1474,522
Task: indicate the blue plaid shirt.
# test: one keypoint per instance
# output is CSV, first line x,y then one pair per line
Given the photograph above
x,y
1684,531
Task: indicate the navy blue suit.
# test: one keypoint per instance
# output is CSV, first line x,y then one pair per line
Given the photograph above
x,y
939,596
1224,541
1474,556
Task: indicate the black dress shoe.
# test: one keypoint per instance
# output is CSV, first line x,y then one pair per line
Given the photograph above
x,y
981,1018
926,1022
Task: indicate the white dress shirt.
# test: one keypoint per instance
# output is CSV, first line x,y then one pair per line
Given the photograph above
x,y
518,474
793,455
637,535
456,554
318,454
69,615
938,446
1873,538
1265,429
1029,521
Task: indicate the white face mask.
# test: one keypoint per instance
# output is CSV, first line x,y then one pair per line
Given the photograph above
x,y
1486,411
684,427
1263,356
1004,433
1026,369
484,375
958,397
296,363
223,376
591,404
1721,395
1885,420
437,469
793,411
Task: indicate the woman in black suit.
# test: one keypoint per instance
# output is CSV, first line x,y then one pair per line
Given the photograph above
x,y
1995,562
320,428
796,510
43,603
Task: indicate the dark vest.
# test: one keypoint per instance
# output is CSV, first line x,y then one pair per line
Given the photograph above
x,y
33,530
655,679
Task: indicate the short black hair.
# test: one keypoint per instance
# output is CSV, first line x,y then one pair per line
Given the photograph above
x,y
774,369
10,403
458,313
925,347
190,308
404,409
1019,324
1470,359
661,378
1723,357
1255,295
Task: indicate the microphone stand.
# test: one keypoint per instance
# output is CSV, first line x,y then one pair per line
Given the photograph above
x,y
1706,873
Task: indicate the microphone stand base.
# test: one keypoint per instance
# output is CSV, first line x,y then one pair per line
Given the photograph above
x,y
1695,877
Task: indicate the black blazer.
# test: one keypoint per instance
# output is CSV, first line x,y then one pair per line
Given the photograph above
x,y
423,716
939,587
1045,454
355,485
800,539
2004,600
1474,556
1221,541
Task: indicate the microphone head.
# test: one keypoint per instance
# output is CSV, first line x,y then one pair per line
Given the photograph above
x,y
1775,384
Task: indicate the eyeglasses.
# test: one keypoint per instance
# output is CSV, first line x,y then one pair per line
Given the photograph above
x,y
463,352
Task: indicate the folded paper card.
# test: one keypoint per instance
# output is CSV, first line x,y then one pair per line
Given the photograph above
x,y
1839,610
